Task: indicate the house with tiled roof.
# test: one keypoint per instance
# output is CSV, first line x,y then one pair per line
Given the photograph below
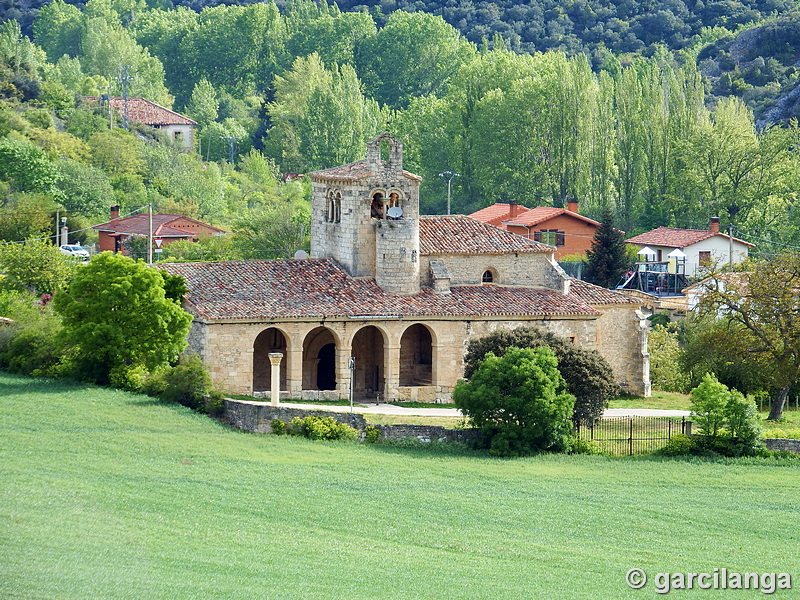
x,y
388,299
179,128
702,247
564,228
166,228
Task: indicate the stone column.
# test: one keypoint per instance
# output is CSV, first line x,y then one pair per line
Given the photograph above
x,y
391,369
275,361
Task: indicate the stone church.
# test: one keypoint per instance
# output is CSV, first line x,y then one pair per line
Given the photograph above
x,y
389,299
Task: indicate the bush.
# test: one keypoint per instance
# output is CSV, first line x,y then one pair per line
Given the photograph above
x,y
708,405
33,344
588,375
678,445
583,446
321,428
278,427
188,384
519,401
372,434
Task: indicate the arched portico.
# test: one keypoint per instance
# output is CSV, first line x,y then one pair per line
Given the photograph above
x,y
416,356
319,360
269,340
370,374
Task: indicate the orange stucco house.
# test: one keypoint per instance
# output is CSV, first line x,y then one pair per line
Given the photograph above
x,y
168,228
564,228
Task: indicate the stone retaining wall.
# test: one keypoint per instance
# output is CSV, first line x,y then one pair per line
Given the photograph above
x,y
782,444
257,417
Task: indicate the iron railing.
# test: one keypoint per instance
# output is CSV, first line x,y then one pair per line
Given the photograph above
x,y
626,436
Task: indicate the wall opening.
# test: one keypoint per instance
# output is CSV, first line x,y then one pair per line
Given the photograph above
x,y
416,356
319,360
269,340
367,349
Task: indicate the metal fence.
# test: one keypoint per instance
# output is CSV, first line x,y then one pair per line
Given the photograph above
x,y
626,436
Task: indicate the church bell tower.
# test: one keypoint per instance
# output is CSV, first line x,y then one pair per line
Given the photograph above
x,y
365,215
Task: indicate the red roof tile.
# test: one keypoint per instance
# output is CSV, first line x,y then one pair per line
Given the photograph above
x,y
139,225
497,213
459,234
351,172
144,111
594,294
673,237
320,288
538,215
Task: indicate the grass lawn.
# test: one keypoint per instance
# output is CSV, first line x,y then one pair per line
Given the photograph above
x,y
110,495
659,399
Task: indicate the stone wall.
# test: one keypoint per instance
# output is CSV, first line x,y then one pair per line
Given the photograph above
x,y
257,417
784,445
525,269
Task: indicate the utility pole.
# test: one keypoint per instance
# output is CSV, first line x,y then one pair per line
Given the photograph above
x,y
449,176
730,245
58,214
125,78
149,234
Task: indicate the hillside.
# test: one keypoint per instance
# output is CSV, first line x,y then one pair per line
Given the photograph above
x,y
760,65
591,26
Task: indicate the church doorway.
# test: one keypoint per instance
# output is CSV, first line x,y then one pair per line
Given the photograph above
x,y
369,377
269,340
319,360
416,356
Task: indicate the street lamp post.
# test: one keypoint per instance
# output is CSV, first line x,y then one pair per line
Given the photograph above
x,y
449,176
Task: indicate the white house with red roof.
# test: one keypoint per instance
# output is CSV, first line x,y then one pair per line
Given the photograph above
x,y
702,247
165,227
564,228
179,128
389,299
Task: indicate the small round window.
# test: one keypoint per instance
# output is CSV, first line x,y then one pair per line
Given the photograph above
x,y
488,277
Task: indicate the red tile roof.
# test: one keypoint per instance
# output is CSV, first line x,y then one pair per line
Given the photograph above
x,y
351,172
139,225
459,234
540,214
497,213
149,113
594,294
320,288
673,237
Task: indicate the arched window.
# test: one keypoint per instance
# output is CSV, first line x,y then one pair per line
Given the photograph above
x,y
377,210
488,276
337,207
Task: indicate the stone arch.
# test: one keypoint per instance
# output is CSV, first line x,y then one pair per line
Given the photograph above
x,y
320,347
271,339
489,276
333,211
370,374
378,203
417,356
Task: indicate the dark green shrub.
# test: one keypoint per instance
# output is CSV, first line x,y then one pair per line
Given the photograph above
x,y
519,401
372,434
588,375
278,427
583,446
678,445
321,428
188,384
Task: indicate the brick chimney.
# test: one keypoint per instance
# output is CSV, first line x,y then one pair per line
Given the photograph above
x,y
713,225
512,208
572,206
114,212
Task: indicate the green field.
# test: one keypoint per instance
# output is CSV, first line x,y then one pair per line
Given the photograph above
x,y
105,494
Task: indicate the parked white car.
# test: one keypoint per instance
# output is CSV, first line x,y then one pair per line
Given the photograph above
x,y
75,251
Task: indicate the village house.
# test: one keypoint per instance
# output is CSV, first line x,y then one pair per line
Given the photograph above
x,y
702,247
389,299
564,228
178,128
166,228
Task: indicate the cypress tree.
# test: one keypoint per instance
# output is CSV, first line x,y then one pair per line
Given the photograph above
x,y
608,259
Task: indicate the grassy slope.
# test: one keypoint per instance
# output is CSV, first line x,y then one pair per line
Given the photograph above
x,y
108,495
